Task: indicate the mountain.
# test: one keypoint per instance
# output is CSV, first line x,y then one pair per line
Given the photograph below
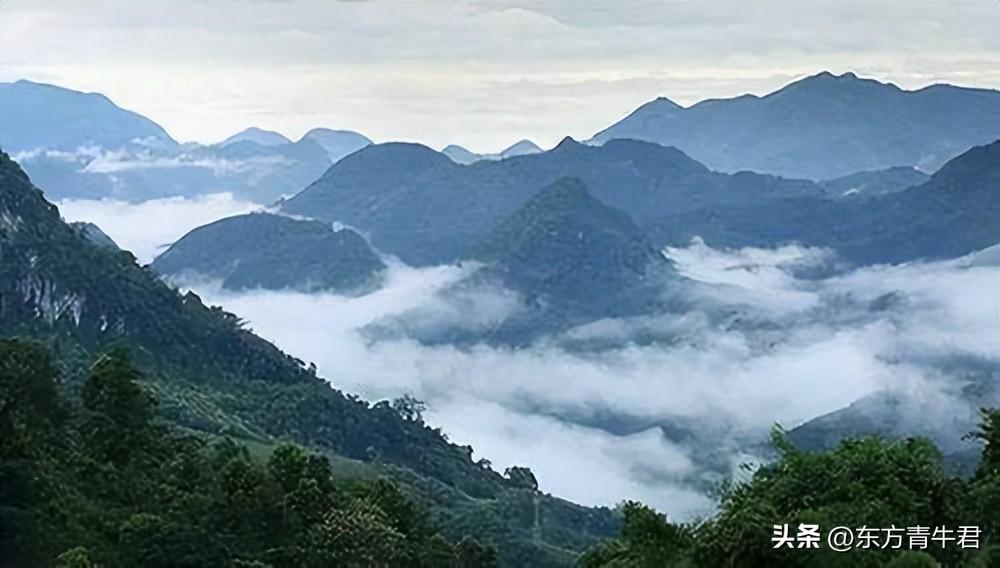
x,y
272,252
521,148
875,182
81,146
421,206
954,213
568,248
43,116
945,420
337,143
561,260
821,127
213,377
460,155
257,136
573,260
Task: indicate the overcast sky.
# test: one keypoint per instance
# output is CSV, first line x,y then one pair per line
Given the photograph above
x,y
482,74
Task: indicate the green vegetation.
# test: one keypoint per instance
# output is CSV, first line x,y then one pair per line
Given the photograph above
x,y
100,482
261,250
864,482
213,378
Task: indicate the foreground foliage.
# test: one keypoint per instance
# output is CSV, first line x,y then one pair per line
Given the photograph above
x,y
103,483
862,482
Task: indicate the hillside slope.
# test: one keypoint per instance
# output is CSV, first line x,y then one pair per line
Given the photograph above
x,y
211,375
272,252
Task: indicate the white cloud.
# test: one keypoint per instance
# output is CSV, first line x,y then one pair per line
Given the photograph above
x,y
146,228
761,345
582,421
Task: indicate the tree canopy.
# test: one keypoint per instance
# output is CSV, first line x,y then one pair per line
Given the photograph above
x,y
100,482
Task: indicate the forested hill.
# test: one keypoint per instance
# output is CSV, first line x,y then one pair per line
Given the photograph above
x,y
213,376
101,482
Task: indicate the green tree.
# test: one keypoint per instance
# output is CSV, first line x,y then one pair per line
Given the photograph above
x,y
648,540
28,412
119,411
28,402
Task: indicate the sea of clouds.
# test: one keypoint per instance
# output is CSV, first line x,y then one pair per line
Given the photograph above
x,y
773,336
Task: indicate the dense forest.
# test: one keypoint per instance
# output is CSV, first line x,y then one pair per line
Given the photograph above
x,y
100,481
863,483
97,480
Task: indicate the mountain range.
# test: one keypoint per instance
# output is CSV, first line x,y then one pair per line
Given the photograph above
x,y
83,146
460,155
214,377
419,205
573,234
821,127
954,213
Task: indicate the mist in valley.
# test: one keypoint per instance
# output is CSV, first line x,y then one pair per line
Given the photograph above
x,y
672,404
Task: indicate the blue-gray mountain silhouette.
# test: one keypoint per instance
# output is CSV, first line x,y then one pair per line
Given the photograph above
x,y
273,252
418,204
821,127
875,182
460,155
37,115
257,136
80,145
337,143
954,213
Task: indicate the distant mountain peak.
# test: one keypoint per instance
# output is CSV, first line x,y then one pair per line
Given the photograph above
x,y
393,159
820,126
460,155
664,102
257,136
337,143
321,131
567,143
520,148
564,209
40,115
824,80
829,75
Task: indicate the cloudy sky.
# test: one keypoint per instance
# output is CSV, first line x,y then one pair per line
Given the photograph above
x,y
481,74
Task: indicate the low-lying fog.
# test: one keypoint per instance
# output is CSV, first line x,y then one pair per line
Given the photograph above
x,y
793,347
148,227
